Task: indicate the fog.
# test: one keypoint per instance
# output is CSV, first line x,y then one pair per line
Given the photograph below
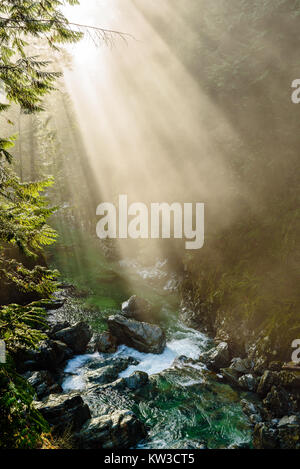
x,y
149,129
192,104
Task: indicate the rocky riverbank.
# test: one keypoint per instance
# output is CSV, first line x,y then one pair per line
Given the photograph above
x,y
92,423
83,384
247,363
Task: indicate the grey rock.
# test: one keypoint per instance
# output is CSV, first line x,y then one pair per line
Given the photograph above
x,y
249,408
42,382
120,363
107,371
138,309
103,343
275,421
218,357
248,382
136,380
50,355
289,420
182,361
255,418
104,375
145,337
65,411
120,429
76,337
242,365
134,306
231,376
117,385
289,433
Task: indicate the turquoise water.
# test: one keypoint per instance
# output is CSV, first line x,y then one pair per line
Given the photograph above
x,y
184,405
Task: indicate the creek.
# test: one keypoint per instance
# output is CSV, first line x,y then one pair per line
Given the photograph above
x,y
191,406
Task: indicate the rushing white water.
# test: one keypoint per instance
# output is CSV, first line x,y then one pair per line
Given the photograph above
x,y
190,406
75,366
184,341
188,343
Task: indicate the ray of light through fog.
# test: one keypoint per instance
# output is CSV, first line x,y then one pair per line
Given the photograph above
x,y
149,129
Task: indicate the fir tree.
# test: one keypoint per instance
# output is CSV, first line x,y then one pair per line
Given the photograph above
x,y
25,80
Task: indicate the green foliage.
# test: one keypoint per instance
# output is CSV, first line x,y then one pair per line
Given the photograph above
x,y
20,423
18,326
24,80
23,216
5,144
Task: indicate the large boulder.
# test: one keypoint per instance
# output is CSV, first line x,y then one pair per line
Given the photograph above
x,y
289,420
50,355
284,435
64,411
99,373
142,336
138,308
121,429
76,337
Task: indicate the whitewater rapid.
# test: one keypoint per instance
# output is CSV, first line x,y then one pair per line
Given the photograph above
x,y
183,341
